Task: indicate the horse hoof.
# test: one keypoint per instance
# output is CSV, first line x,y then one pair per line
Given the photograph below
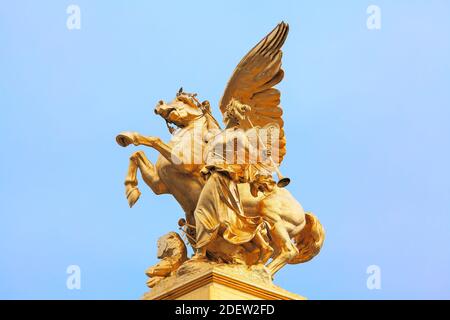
x,y
124,139
133,196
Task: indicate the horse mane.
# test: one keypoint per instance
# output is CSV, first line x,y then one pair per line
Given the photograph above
x,y
191,98
207,122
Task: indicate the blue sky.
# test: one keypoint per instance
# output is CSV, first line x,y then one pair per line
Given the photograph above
x,y
367,121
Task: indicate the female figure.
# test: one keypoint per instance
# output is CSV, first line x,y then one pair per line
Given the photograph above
x,y
219,210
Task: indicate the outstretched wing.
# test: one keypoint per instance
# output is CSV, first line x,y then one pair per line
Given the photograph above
x,y
253,82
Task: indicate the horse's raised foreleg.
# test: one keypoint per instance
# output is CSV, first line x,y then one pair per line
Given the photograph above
x,y
126,138
138,160
131,190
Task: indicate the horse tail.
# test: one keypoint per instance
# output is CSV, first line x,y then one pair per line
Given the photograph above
x,y
310,240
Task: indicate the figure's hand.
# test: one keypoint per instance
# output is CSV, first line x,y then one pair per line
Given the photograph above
x,y
263,183
254,189
124,139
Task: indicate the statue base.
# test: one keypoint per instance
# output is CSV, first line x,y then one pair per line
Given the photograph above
x,y
196,280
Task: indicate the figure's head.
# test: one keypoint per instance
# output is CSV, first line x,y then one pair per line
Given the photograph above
x,y
235,112
182,110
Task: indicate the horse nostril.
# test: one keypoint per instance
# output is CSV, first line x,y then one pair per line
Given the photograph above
x,y
156,111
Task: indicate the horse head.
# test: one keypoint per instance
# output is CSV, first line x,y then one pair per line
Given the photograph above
x,y
183,110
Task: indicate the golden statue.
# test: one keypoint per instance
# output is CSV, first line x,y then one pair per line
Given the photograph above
x,y
235,213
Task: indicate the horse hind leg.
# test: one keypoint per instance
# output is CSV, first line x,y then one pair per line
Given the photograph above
x,y
286,250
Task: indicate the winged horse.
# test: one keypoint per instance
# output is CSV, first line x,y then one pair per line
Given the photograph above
x,y
296,236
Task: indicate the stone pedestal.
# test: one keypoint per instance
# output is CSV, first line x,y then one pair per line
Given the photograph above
x,y
211,281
